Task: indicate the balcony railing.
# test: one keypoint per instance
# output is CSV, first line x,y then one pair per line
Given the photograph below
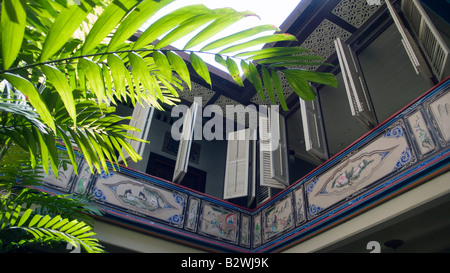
x,y
404,151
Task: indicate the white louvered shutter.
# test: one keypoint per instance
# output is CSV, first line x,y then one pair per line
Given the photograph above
x,y
434,47
264,194
238,177
141,119
355,85
413,51
280,163
252,171
313,129
184,148
273,158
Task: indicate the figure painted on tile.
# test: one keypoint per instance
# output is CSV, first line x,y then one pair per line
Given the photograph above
x,y
274,223
145,199
423,135
278,218
192,214
245,231
257,232
444,109
219,222
348,177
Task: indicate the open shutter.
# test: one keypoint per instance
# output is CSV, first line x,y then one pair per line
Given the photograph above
x,y
264,194
273,158
240,167
141,119
280,156
252,171
434,47
313,129
355,85
410,45
184,148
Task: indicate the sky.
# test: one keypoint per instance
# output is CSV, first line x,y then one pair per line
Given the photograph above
x,y
272,12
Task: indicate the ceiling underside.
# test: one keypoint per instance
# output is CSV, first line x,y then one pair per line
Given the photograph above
x,y
316,24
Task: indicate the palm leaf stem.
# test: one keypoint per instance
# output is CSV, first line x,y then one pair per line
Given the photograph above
x,y
118,52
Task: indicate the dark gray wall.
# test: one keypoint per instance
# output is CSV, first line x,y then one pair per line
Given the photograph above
x,y
392,84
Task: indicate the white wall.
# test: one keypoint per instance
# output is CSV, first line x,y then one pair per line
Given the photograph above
x,y
129,240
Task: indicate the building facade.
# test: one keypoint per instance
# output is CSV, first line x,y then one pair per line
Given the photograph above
x,y
362,167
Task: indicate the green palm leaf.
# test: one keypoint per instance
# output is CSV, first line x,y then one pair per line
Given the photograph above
x,y
185,28
107,21
163,64
35,98
118,72
238,36
272,52
15,218
68,20
140,72
134,20
300,86
12,23
229,17
234,71
258,41
312,76
256,80
279,89
168,22
200,67
59,81
180,67
93,74
268,84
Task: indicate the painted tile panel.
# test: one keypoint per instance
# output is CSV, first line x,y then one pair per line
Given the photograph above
x,y
278,218
83,179
245,230
440,110
388,153
256,230
420,133
65,177
140,197
300,216
219,222
192,214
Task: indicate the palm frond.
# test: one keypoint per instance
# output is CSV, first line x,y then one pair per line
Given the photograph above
x,y
42,229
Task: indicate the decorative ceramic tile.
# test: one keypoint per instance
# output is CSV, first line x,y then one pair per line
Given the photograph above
x,y
300,216
245,230
257,230
219,222
388,153
440,110
354,12
278,218
84,177
421,134
65,177
141,198
192,214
